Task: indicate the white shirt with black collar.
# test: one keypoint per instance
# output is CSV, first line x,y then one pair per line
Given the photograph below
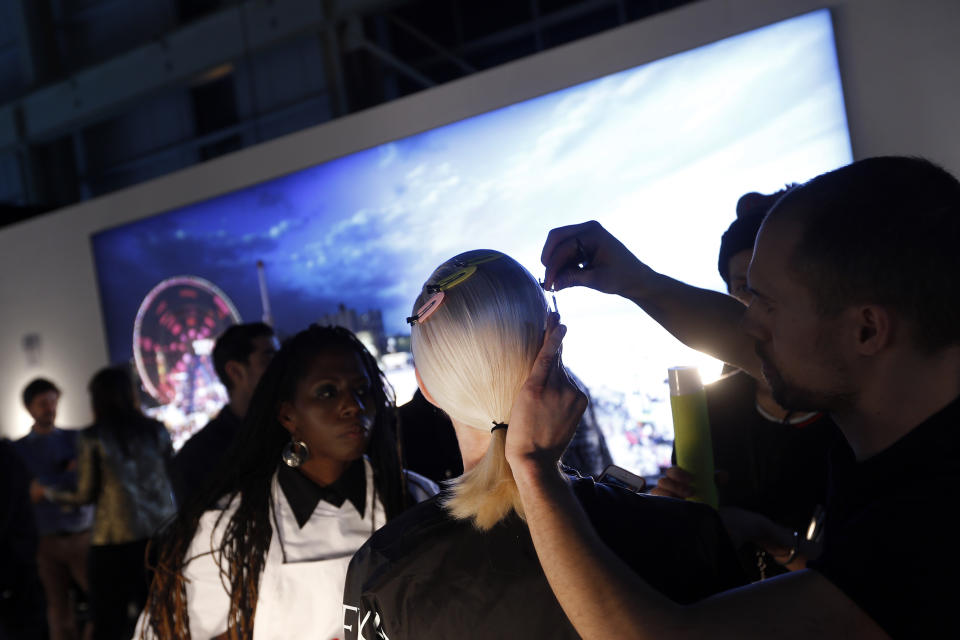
x,y
301,586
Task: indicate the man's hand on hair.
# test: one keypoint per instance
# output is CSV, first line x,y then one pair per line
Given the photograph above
x,y
588,255
547,410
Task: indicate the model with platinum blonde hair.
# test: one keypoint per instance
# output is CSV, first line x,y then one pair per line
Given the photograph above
x,y
472,353
462,564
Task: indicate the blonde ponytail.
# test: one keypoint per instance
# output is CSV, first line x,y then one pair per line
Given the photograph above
x,y
473,354
487,493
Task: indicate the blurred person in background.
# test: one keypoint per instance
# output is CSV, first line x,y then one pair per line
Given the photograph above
x,y
50,455
122,470
240,356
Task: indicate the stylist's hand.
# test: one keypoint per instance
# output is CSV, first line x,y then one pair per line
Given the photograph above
x,y
547,410
608,266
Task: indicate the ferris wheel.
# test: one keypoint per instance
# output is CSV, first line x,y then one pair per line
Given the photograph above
x,y
173,336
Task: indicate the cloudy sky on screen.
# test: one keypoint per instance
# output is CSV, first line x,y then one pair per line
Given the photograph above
x,y
659,154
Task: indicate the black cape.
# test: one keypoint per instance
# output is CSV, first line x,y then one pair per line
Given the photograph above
x,y
426,575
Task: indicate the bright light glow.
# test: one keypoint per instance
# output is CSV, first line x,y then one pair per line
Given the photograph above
x,y
203,347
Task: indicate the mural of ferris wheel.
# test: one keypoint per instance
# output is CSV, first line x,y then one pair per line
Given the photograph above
x,y
173,337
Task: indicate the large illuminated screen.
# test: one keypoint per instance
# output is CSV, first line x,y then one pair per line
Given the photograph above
x,y
658,154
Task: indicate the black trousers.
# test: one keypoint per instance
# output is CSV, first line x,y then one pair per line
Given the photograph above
x,y
118,588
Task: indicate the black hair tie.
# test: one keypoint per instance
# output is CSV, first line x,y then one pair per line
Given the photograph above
x,y
498,425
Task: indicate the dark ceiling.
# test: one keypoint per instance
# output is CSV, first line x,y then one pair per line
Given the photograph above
x,y
296,63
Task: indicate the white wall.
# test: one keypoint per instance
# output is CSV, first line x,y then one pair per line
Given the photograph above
x,y
898,61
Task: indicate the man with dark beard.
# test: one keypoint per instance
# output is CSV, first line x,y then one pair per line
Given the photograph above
x,y
855,311
771,462
240,356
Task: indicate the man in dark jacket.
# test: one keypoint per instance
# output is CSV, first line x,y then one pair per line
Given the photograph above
x,y
240,357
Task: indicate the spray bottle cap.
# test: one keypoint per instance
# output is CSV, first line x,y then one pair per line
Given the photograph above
x,y
684,380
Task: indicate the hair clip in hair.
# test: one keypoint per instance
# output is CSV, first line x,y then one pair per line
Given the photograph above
x,y
472,262
452,280
498,425
465,269
427,308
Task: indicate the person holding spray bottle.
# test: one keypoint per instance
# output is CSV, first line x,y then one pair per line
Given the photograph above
x,y
770,462
691,433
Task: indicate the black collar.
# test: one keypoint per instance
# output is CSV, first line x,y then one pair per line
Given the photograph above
x,y
303,494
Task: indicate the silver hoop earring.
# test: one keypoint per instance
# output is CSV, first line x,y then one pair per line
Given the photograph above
x,y
295,453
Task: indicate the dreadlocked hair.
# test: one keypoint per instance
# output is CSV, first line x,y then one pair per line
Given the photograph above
x,y
244,477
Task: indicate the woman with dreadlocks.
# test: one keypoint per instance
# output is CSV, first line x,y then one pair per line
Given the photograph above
x,y
462,565
262,552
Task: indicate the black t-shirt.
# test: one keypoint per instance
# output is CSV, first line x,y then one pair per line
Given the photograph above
x,y
778,470
426,575
889,545
774,469
201,455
